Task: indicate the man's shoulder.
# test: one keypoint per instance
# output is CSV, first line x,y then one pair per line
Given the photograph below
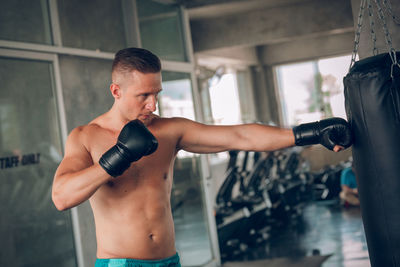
x,y
87,136
83,132
85,129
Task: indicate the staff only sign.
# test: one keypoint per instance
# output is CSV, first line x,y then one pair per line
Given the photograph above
x,y
16,161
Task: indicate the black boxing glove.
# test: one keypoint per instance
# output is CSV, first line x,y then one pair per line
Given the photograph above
x,y
134,142
328,132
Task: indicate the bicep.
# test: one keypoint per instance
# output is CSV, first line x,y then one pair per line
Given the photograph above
x,y
200,138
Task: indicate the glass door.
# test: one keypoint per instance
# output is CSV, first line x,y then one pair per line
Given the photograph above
x,y
32,231
188,199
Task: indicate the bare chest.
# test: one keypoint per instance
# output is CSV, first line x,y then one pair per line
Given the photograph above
x,y
152,173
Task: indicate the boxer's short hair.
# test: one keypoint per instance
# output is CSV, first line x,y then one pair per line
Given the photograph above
x,y
139,59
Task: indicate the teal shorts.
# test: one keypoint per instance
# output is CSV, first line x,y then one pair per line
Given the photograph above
x,y
167,262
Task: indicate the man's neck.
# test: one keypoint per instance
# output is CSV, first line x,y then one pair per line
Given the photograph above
x,y
114,120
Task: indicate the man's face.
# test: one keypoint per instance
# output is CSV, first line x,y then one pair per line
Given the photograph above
x,y
139,95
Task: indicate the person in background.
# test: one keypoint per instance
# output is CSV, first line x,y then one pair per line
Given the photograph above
x,y
349,193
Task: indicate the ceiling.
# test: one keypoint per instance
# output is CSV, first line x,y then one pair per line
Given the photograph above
x,y
202,9
251,32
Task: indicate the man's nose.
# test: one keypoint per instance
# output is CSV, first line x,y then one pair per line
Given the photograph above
x,y
151,103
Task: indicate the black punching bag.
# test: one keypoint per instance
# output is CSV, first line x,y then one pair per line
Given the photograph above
x,y
372,99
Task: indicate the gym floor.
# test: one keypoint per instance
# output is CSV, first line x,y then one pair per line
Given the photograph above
x,y
327,235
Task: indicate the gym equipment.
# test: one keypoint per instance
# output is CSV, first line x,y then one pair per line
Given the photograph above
x,y
255,199
326,182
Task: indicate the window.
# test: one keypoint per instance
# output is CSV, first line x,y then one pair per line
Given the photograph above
x,y
161,30
91,27
85,83
176,99
312,90
25,21
36,233
224,99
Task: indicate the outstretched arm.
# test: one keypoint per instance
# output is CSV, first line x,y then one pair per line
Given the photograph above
x,y
200,138
333,133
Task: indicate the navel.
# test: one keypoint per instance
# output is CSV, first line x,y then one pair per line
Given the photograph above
x,y
165,176
151,236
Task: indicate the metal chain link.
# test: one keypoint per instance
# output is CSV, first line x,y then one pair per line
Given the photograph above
x,y
372,27
388,6
388,38
358,33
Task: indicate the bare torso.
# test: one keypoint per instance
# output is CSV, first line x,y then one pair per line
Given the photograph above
x,y
132,212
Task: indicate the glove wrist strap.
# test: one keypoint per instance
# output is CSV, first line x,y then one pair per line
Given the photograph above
x,y
113,162
306,134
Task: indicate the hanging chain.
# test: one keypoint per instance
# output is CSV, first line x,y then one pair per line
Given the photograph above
x,y
358,33
388,6
388,38
372,27
381,15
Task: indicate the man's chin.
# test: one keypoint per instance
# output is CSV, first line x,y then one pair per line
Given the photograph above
x,y
145,118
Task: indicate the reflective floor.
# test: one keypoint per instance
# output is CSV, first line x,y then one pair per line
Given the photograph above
x,y
325,229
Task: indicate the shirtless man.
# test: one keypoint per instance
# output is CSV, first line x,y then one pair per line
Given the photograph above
x,y
127,174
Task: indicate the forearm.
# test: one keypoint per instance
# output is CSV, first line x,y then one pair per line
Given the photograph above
x,y
257,137
195,137
71,189
348,189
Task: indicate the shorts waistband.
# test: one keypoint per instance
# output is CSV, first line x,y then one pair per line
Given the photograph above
x,y
172,261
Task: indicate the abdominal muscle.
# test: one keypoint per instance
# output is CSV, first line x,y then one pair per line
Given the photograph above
x,y
133,223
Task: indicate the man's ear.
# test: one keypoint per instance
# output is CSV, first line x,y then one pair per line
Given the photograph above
x,y
115,90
